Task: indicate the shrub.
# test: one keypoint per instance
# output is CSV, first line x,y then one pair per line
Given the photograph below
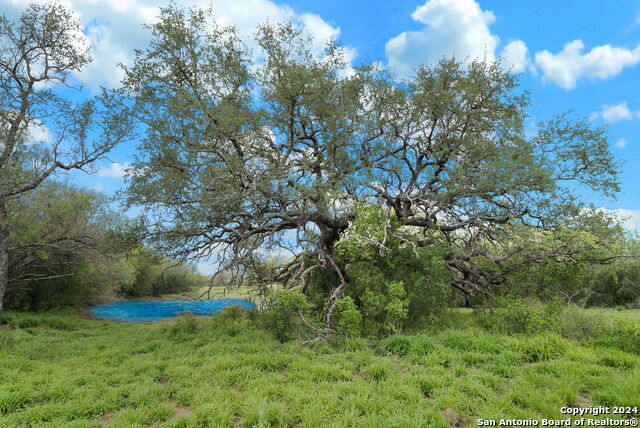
x,y
282,316
528,316
185,325
577,324
348,318
392,284
233,312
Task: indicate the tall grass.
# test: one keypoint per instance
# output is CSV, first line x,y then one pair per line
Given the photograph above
x,y
57,370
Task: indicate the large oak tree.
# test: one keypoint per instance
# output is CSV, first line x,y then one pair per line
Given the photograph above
x,y
251,150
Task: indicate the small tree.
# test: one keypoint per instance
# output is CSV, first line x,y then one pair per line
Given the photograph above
x,y
38,53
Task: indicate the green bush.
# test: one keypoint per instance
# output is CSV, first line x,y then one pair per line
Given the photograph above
x,y
233,312
528,316
576,323
184,326
392,285
348,318
283,313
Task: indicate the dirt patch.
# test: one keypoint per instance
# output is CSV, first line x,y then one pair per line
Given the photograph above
x,y
182,411
583,401
163,381
454,418
104,419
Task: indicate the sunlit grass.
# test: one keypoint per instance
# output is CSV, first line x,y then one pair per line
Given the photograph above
x,y
60,370
241,292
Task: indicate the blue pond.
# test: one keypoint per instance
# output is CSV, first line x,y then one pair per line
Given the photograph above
x,y
156,310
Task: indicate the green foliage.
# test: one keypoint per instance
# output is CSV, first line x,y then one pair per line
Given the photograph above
x,y
422,345
434,156
618,360
45,46
403,345
348,318
615,285
283,315
378,372
522,316
589,260
69,249
391,284
385,306
233,312
185,325
577,324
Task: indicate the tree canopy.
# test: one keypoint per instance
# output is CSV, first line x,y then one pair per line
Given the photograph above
x,y
276,148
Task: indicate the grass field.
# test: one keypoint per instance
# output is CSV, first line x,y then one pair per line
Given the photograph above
x,y
242,292
59,370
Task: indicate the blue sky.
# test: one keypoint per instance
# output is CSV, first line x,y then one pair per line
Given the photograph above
x,y
571,55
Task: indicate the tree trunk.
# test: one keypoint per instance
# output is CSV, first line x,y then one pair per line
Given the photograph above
x,y
4,254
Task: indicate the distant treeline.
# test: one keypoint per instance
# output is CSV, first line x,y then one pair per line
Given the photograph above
x,y
68,247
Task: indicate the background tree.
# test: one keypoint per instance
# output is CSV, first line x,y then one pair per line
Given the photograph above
x,y
37,55
66,248
69,247
274,150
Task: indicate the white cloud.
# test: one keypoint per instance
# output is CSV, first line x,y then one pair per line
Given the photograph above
x,y
614,113
98,188
115,170
515,55
570,64
630,219
457,28
38,133
621,143
114,27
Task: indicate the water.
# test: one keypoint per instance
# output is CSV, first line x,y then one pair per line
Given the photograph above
x,y
156,310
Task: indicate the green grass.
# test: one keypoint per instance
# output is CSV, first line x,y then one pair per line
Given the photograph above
x,y
242,292
59,370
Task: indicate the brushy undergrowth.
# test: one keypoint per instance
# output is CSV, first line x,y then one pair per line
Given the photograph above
x,y
58,370
595,326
